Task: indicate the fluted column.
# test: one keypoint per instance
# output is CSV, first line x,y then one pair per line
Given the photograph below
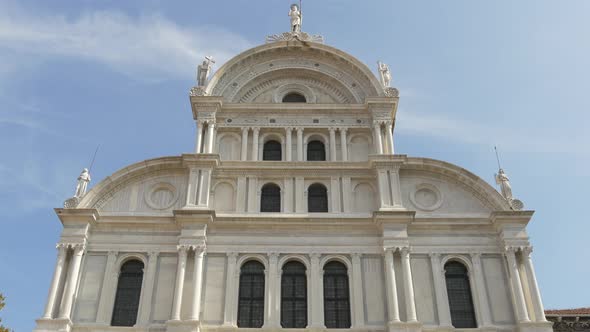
x,y
199,136
244,155
72,283
482,295
197,282
148,289
357,291
332,143
108,289
230,290
343,144
289,144
378,141
533,286
389,136
179,286
255,133
273,313
56,281
408,285
299,144
518,295
317,305
440,291
391,287
210,136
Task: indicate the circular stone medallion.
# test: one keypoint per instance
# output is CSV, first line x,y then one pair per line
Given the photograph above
x,y
161,196
426,197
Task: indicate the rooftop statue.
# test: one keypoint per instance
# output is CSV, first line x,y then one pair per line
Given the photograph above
x,y
203,70
506,190
295,15
384,73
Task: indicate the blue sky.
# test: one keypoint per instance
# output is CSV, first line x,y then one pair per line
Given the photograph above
x,y
472,74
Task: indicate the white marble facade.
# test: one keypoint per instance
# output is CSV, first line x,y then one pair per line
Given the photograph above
x,y
194,219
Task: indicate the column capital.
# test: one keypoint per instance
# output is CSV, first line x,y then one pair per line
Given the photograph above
x,y
232,254
343,129
389,249
315,255
289,129
527,251
356,255
79,248
273,255
511,249
245,129
332,129
199,249
112,253
388,123
405,251
377,123
476,256
299,129
182,249
256,129
153,254
434,254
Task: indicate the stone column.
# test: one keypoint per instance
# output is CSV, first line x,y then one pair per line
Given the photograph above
x,y
230,291
253,195
408,285
332,143
335,194
533,286
288,195
199,135
56,281
378,140
346,194
108,289
317,301
179,287
299,195
289,144
440,290
343,144
299,144
244,155
197,282
357,291
273,313
391,287
482,295
384,193
148,289
72,283
517,292
210,136
389,136
255,132
241,195
396,199
204,187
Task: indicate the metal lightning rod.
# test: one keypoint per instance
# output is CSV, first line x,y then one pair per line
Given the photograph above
x,y
497,158
301,14
93,158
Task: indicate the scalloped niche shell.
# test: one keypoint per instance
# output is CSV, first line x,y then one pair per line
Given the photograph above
x,y
426,197
161,196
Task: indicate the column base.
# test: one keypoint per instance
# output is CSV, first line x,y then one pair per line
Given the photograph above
x,y
404,327
53,325
183,326
535,327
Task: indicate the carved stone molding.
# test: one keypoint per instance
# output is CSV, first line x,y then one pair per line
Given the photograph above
x,y
197,91
292,36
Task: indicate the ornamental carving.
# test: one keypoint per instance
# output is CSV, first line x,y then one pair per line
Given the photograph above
x,y
197,91
391,92
291,36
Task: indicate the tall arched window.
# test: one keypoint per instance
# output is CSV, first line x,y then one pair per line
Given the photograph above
x,y
336,296
460,299
316,151
317,198
128,293
272,151
294,295
251,295
270,198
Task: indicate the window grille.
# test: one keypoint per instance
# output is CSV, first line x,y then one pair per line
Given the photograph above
x,y
316,151
317,198
272,151
128,293
270,198
294,98
460,299
294,295
336,296
251,295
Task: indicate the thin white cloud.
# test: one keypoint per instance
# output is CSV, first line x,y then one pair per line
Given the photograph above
x,y
149,46
509,136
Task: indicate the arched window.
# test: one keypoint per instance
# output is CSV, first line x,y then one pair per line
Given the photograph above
x,y
316,151
294,296
336,296
317,198
272,151
251,295
270,198
128,292
460,299
294,97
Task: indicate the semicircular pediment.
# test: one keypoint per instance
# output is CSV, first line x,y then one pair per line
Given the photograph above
x,y
333,74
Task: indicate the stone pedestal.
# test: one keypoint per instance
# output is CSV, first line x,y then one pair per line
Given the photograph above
x,y
535,327
53,325
183,326
404,327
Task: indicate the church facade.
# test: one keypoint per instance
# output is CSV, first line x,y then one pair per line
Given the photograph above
x,y
293,212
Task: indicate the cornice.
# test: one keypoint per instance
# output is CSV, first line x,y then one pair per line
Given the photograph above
x,y
200,160
401,217
501,218
77,216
